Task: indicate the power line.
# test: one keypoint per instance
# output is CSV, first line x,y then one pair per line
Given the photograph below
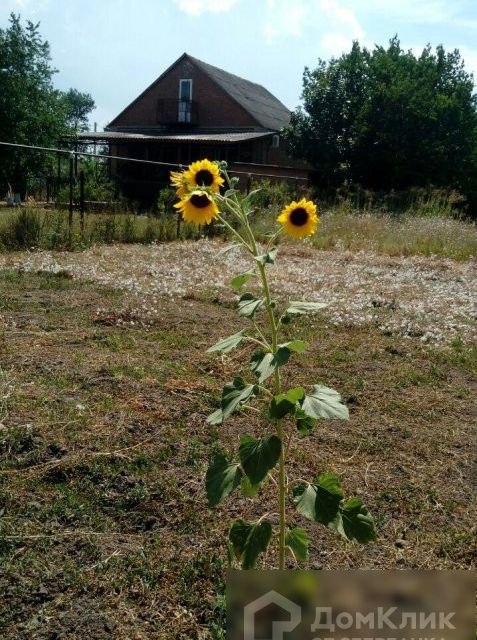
x,y
90,155
170,165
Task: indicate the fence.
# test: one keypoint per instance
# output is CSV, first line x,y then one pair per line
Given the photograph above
x,y
74,177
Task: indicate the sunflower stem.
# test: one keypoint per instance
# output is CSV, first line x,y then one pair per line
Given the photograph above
x,y
277,388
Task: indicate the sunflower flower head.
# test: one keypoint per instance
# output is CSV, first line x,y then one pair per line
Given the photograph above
x,y
299,219
198,206
203,174
179,182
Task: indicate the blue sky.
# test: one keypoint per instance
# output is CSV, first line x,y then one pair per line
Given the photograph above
x,y
115,48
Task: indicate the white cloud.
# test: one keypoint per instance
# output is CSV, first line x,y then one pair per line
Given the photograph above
x,y
198,7
285,19
342,27
334,24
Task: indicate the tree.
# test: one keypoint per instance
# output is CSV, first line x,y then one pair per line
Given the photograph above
x,y
388,119
78,107
32,111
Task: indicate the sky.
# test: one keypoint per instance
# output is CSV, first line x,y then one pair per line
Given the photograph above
x,y
114,49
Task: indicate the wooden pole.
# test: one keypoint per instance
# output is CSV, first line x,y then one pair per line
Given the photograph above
x,y
70,208
81,179
249,183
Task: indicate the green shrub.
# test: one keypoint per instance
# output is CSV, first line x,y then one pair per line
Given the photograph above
x,y
22,231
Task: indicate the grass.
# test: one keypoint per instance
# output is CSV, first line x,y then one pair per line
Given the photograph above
x,y
48,229
429,226
104,528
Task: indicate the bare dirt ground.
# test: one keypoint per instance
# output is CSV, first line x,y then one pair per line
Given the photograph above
x,y
433,299
105,384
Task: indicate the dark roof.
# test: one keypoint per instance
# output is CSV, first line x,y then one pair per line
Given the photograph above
x,y
122,136
267,110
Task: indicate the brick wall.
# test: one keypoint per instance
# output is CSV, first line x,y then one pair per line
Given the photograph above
x,y
215,107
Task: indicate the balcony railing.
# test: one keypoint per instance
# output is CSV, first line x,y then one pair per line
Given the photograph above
x,y
177,112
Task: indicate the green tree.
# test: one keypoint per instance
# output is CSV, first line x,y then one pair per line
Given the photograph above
x,y
78,107
388,119
32,111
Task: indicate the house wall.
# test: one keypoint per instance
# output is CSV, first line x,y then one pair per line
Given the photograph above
x,y
215,108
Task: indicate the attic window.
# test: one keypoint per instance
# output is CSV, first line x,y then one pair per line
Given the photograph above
x,y
275,142
185,99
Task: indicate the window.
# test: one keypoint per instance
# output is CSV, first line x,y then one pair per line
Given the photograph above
x,y
185,100
275,142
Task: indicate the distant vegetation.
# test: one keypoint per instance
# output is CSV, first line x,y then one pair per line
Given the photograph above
x,y
414,223
32,111
389,119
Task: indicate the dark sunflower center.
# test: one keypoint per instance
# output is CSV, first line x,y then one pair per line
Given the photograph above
x,y
201,201
204,178
299,217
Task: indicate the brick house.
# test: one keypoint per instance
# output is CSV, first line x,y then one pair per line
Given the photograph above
x,y
195,110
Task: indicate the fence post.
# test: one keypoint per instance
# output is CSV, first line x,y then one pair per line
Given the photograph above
x,y
70,208
249,183
81,180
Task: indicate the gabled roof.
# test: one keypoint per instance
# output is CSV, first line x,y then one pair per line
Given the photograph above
x,y
267,110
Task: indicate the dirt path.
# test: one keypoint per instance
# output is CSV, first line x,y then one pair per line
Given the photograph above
x,y
431,299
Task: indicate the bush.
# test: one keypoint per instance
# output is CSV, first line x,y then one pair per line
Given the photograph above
x,y
22,231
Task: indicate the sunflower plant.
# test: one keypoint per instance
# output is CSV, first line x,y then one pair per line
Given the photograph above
x,y
207,193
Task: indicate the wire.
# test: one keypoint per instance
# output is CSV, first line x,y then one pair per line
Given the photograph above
x,y
85,153
161,164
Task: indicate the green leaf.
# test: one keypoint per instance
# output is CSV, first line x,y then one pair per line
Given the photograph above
x,y
320,501
234,394
299,308
297,540
249,197
259,456
227,344
215,418
285,403
249,540
249,490
282,356
248,305
262,365
325,403
354,522
239,281
221,479
268,258
298,346
304,423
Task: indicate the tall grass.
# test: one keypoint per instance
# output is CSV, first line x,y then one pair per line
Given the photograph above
x,y
416,222
424,223
48,229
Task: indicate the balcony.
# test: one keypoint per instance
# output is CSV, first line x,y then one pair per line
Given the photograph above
x,y
177,112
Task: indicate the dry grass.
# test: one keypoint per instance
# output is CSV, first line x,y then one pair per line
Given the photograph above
x,y
104,528
397,236
432,233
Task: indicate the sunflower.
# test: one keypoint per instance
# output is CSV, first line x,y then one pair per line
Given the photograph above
x,y
198,207
179,182
203,174
299,219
